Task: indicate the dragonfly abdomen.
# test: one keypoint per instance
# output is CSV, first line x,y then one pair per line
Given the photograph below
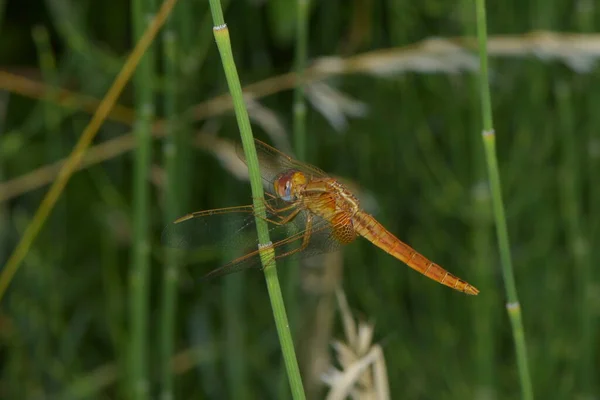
x,y
366,226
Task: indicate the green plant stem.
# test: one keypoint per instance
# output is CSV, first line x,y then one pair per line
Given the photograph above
x,y
481,241
171,151
585,257
51,308
300,61
4,215
221,33
489,141
185,19
577,241
234,322
144,79
292,275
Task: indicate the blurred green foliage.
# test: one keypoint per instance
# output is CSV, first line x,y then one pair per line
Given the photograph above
x,y
63,324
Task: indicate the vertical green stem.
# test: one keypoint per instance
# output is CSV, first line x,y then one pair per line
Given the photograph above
x,y
171,148
4,215
481,242
299,135
489,141
53,151
184,24
234,297
577,241
144,78
221,33
588,256
300,61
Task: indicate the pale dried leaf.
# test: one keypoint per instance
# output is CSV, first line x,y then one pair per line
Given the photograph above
x,y
365,335
344,354
351,375
225,152
452,55
579,52
334,105
331,376
350,328
381,385
429,56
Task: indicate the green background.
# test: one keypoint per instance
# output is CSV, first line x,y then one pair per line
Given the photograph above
x,y
417,151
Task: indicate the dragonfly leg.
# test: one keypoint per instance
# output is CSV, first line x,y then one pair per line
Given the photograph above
x,y
277,210
284,219
305,240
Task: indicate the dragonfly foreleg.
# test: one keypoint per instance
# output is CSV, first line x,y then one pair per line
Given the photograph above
x,y
284,219
275,210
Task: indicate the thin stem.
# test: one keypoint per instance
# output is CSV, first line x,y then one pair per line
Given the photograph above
x,y
574,230
481,241
221,33
235,352
300,61
299,134
489,141
51,308
171,149
587,257
140,267
4,215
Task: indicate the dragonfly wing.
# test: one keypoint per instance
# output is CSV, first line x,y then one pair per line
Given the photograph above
x,y
231,232
305,236
211,235
294,241
272,162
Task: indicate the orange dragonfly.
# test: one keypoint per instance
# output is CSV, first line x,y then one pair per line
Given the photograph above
x,y
308,213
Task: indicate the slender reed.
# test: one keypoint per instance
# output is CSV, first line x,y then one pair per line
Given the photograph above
x,y
221,33
185,23
71,164
4,215
299,135
481,242
235,351
171,148
3,101
52,116
489,142
578,243
54,147
300,61
144,83
587,278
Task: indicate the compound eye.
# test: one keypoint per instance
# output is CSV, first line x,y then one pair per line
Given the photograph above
x,y
288,190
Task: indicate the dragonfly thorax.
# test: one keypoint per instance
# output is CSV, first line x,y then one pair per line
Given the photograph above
x,y
288,184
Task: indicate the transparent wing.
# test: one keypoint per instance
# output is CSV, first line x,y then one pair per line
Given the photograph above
x,y
232,231
272,162
302,244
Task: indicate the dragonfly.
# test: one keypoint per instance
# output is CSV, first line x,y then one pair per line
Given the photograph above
x,y
308,213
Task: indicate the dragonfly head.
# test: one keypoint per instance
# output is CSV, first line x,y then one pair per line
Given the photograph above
x,y
288,184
